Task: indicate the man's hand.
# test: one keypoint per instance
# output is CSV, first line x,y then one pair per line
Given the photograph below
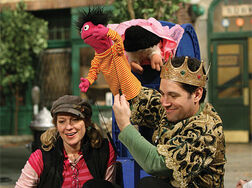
x,y
122,111
84,85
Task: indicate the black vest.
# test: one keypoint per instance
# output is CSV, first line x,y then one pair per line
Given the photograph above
x,y
96,160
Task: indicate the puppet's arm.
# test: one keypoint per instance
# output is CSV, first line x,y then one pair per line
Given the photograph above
x,y
92,75
156,58
146,56
118,42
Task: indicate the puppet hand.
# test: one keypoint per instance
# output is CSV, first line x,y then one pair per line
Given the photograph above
x,y
84,85
100,32
135,67
156,62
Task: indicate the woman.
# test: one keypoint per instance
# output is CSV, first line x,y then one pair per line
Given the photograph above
x,y
72,152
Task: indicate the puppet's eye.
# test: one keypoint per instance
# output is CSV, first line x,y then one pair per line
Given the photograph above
x,y
86,27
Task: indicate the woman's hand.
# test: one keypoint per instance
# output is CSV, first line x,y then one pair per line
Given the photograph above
x,y
122,111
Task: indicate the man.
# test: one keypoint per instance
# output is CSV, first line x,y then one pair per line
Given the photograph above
x,y
189,145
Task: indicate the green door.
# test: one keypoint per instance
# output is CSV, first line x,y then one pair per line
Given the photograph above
x,y
230,86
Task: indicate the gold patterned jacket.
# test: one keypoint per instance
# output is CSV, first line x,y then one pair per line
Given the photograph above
x,y
194,149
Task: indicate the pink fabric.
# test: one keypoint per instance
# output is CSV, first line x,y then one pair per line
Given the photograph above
x,y
171,37
36,161
112,155
69,178
28,177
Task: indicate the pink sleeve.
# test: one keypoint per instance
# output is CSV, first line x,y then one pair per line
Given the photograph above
x,y
28,177
36,161
112,155
111,170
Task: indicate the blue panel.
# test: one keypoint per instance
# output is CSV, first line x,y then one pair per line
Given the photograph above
x,y
188,45
131,172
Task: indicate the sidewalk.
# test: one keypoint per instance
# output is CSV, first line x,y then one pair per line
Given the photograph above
x,y
13,156
239,163
14,153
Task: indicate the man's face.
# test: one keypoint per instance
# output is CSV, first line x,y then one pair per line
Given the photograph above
x,y
178,103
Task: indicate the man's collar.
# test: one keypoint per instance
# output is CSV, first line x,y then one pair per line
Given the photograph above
x,y
202,105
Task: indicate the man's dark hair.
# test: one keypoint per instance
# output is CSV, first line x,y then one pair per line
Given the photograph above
x,y
191,89
193,65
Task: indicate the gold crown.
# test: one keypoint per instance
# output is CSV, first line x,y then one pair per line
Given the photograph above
x,y
183,74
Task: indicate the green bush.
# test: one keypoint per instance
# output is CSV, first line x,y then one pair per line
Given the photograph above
x,y
23,38
131,9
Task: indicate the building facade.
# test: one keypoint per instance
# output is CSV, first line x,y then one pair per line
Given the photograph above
x,y
230,54
225,37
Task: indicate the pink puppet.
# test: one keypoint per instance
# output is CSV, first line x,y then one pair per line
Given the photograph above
x,y
109,55
110,59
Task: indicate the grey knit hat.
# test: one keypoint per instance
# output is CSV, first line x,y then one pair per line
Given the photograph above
x,y
71,104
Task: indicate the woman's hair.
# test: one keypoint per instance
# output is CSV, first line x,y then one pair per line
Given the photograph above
x,y
48,138
93,136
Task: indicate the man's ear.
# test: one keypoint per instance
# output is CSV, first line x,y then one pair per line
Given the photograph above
x,y
198,94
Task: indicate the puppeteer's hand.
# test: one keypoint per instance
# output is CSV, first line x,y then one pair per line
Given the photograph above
x,y
122,111
156,62
84,85
100,32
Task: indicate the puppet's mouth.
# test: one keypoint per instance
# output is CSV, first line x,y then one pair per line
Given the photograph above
x,y
86,37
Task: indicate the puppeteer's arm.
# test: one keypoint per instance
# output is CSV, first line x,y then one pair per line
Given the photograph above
x,y
144,152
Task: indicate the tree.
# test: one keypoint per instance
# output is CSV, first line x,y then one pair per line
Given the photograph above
x,y
23,38
133,9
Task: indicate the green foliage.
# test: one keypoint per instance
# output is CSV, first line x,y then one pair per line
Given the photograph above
x,y
144,9
23,38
